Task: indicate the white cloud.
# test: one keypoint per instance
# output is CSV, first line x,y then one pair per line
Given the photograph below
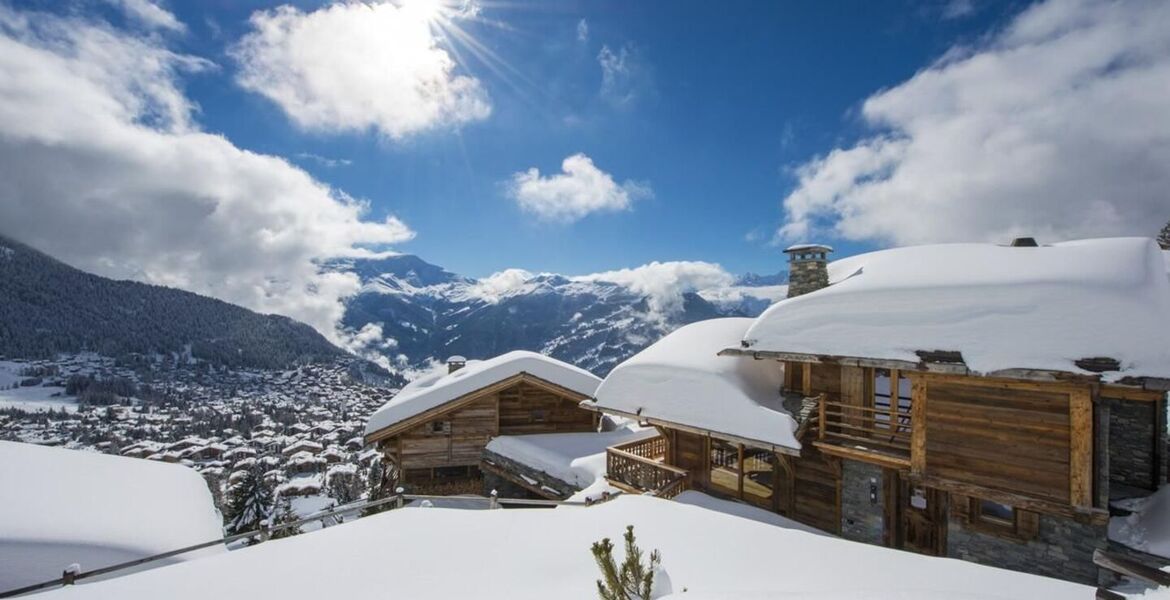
x,y
626,78
578,190
356,66
582,31
664,283
1055,127
102,165
150,14
496,286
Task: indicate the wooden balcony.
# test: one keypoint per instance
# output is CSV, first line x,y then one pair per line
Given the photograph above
x,y
881,434
637,467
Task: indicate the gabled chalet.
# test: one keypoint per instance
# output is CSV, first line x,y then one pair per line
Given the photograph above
x,y
970,400
433,433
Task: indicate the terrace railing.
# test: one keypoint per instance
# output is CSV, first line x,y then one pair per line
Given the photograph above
x,y
650,448
884,430
643,474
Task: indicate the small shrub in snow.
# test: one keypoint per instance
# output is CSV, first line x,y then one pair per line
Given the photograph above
x,y
632,580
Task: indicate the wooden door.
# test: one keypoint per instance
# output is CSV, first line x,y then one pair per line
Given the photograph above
x,y
921,518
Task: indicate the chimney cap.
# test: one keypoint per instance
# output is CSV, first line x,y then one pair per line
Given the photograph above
x,y
1024,242
808,248
456,359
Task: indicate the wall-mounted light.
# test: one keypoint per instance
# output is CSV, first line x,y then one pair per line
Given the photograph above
x,y
872,490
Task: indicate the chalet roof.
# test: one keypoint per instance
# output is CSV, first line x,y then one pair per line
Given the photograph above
x,y
440,387
992,308
680,379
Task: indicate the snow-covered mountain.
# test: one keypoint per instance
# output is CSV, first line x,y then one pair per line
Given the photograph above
x,y
427,313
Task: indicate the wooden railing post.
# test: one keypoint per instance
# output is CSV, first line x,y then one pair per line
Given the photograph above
x,y
264,533
821,418
401,497
495,500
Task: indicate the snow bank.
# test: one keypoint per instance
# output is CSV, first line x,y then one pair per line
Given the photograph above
x,y
1148,527
440,387
534,553
575,458
1001,307
744,511
681,379
65,506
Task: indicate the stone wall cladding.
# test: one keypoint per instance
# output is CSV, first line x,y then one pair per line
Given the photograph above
x,y
861,521
1131,445
807,276
1062,548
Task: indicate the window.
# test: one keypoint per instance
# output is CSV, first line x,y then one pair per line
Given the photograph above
x,y
759,475
725,466
440,426
1002,520
538,415
892,400
990,510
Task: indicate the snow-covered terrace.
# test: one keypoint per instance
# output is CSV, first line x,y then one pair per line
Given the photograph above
x,y
440,387
682,381
1017,311
526,553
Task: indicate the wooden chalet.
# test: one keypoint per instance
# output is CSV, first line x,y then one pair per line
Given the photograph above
x,y
1004,447
433,433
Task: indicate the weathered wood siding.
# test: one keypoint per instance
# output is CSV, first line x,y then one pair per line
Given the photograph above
x,y
459,443
689,451
812,494
1012,438
525,408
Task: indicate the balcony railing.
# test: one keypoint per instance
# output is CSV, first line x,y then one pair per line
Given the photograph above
x,y
640,473
884,431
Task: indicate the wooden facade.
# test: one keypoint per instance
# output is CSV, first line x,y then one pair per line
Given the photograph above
x,y
439,450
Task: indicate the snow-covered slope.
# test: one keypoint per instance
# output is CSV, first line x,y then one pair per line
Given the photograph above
x,y
533,553
594,321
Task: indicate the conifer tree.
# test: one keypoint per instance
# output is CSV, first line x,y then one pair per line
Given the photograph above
x,y
1164,237
378,486
632,580
250,503
283,513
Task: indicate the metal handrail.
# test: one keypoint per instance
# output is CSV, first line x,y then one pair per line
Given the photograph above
x,y
400,499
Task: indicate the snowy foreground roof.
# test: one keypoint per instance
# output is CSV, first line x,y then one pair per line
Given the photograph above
x,y
1001,307
59,507
453,553
681,379
439,387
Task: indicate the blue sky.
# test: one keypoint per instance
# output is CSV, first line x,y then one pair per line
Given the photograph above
x,y
728,99
231,147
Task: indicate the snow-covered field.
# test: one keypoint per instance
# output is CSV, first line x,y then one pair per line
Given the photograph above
x,y
37,399
422,553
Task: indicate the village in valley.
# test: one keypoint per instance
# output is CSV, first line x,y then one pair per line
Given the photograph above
x,y
453,299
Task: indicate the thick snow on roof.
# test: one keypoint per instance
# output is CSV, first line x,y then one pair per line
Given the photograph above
x,y
1001,307
439,387
681,379
1147,528
59,507
574,458
534,553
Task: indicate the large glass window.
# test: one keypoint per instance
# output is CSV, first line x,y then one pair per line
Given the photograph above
x,y
892,401
759,475
725,466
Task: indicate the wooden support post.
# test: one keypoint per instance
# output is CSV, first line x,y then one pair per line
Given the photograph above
x,y
821,419
895,394
401,497
495,500
1080,460
739,486
806,374
918,426
265,534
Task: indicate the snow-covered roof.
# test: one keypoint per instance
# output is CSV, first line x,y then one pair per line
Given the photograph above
x,y
804,247
440,387
458,554
1001,307
59,507
681,379
574,458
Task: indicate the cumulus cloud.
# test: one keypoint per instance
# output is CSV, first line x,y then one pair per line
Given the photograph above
x,y
103,166
1055,127
150,14
626,78
578,190
664,283
358,66
496,286
582,31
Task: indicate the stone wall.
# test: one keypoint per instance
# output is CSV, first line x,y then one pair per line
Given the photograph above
x,y
1131,443
806,276
1062,548
861,519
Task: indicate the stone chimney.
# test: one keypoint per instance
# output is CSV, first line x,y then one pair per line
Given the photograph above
x,y
808,268
455,363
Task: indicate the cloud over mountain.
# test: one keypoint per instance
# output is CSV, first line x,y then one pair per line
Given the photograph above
x,y
103,165
1055,127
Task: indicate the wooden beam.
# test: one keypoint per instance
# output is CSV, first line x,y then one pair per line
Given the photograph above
x,y
1080,459
806,374
1094,516
1131,568
873,458
918,392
